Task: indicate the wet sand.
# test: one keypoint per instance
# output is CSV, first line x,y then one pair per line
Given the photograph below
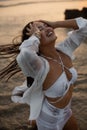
x,y
13,16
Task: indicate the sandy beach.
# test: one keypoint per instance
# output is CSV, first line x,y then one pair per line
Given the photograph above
x,y
14,14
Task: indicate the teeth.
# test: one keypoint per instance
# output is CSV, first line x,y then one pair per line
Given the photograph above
x,y
50,33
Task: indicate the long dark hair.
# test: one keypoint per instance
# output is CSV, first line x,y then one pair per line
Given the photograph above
x,y
11,51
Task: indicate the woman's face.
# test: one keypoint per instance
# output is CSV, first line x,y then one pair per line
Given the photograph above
x,y
47,33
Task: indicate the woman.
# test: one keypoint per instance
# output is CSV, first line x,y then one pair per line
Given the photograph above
x,y
51,72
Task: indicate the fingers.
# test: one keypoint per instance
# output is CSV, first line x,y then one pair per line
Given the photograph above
x,y
45,22
48,23
28,31
37,32
33,29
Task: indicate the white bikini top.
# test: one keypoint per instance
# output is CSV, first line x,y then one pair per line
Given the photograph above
x,y
62,84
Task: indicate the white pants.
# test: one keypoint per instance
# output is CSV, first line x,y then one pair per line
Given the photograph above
x,y
52,118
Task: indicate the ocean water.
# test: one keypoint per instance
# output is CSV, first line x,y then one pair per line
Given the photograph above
x,y
14,14
48,9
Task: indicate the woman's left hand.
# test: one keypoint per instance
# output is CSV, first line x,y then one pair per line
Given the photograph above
x,y
49,23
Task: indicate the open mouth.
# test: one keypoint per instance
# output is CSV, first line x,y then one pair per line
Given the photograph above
x,y
49,33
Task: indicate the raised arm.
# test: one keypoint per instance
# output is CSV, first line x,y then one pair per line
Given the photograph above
x,y
76,37
28,60
62,24
66,24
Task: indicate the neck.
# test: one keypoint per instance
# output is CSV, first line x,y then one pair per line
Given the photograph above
x,y
49,51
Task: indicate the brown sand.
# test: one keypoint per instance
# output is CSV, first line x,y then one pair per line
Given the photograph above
x,y
13,16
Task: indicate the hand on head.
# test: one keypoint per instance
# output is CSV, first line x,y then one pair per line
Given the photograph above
x,y
32,29
49,23
41,30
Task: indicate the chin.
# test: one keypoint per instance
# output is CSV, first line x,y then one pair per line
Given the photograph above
x,y
54,39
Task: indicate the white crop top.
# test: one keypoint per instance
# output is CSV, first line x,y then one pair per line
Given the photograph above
x,y
62,84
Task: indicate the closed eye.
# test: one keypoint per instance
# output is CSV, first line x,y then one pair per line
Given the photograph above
x,y
41,28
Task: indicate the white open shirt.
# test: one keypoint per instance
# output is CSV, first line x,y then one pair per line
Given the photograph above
x,y
37,67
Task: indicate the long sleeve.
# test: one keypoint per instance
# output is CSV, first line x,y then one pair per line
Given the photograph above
x,y
28,60
75,38
36,67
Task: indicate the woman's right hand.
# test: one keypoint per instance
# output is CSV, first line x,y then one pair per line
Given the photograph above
x,y
33,29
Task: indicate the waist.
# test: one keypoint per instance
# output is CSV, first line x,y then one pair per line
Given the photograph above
x,y
61,102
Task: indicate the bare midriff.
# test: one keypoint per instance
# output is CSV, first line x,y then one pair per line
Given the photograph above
x,y
64,101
